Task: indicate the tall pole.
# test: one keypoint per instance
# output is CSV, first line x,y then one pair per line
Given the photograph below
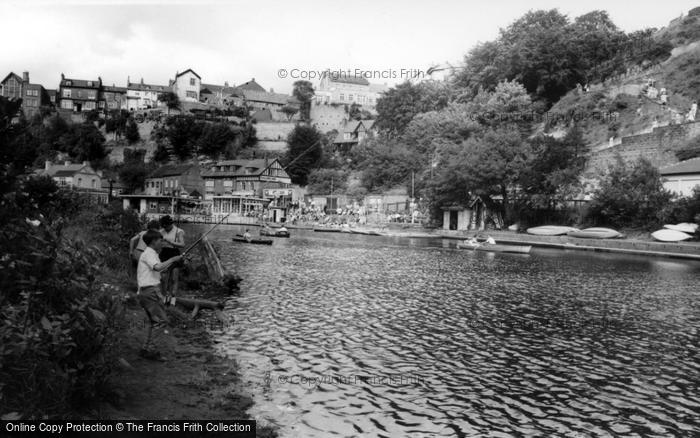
x,y
413,185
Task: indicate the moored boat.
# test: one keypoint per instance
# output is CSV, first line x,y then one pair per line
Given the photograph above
x,y
685,227
326,230
595,233
253,241
365,232
550,230
667,235
496,247
274,233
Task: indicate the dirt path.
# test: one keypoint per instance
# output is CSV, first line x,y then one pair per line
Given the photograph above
x,y
193,383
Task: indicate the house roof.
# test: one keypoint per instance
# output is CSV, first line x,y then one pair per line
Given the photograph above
x,y
171,170
257,166
188,70
684,167
147,87
340,138
250,85
264,96
19,78
80,83
65,169
346,79
217,88
112,89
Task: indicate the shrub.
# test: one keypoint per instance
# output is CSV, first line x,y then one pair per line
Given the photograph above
x,y
629,196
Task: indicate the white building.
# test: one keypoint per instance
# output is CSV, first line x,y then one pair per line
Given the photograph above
x,y
681,178
187,86
348,90
143,96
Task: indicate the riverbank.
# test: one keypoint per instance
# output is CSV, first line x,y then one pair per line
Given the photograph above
x,y
194,383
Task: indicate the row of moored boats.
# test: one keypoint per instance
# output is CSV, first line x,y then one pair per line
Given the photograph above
x,y
670,233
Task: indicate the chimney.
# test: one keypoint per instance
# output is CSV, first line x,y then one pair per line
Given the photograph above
x,y
62,76
141,81
226,84
66,163
25,77
47,165
85,163
128,80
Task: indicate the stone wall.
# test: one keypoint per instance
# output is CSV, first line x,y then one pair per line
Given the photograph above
x,y
274,131
658,146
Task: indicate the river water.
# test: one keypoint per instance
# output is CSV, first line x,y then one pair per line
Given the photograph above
x,y
350,335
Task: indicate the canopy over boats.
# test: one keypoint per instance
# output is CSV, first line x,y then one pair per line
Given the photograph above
x,y
595,233
550,230
667,235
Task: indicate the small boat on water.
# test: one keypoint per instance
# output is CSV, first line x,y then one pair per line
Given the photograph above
x,y
496,247
326,230
274,233
365,232
239,238
667,235
684,227
550,230
595,233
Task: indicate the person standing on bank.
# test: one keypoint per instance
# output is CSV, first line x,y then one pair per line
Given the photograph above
x,y
137,245
173,240
150,295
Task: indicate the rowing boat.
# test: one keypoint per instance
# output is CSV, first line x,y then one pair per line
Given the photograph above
x,y
595,233
667,235
550,230
253,241
274,233
496,247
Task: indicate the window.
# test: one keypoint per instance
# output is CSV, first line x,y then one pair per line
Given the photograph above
x,y
67,92
102,104
67,104
228,183
342,96
32,92
94,183
192,82
91,94
243,185
69,83
209,183
80,182
89,83
89,106
350,97
192,94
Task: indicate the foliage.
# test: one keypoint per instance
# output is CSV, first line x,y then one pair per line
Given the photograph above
x,y
289,111
327,181
216,138
683,209
116,123
132,131
629,197
171,100
303,91
304,153
397,107
83,142
549,55
385,163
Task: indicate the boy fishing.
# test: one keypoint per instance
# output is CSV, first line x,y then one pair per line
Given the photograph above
x,y
150,295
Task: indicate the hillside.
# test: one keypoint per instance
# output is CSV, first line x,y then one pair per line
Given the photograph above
x,y
635,110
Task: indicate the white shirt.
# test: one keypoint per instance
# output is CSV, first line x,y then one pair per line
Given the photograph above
x,y
146,275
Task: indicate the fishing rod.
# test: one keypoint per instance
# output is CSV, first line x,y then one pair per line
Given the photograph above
x,y
205,234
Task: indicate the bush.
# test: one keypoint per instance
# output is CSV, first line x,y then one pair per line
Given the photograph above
x,y
57,325
629,197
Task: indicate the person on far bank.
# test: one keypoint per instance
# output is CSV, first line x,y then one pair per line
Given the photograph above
x,y
173,240
150,295
137,245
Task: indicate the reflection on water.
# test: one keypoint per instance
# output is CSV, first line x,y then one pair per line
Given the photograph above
x,y
354,335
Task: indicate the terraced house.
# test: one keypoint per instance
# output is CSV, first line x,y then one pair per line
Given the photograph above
x,y
79,95
33,96
143,96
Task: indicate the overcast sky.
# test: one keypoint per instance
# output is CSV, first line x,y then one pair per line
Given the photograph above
x,y
237,40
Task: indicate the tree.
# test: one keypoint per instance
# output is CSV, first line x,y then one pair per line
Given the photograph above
x,y
289,111
327,181
397,107
116,123
83,142
629,196
385,162
132,131
170,100
304,153
303,91
215,139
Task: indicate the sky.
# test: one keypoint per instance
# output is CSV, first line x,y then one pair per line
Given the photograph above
x,y
275,42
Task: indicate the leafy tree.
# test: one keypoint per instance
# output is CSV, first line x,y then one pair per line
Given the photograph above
x,y
289,111
385,163
183,132
303,91
132,131
397,107
116,123
133,176
83,142
326,181
170,100
629,196
304,153
215,139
